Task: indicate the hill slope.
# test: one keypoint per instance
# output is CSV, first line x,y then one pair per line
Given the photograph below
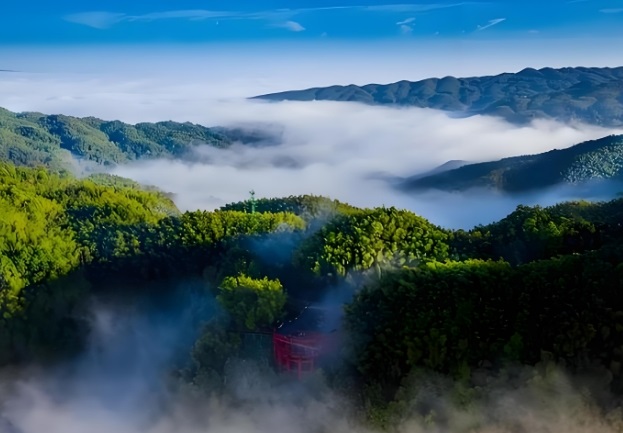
x,y
592,160
591,95
31,139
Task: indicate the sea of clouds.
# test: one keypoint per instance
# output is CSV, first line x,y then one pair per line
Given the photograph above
x,y
347,151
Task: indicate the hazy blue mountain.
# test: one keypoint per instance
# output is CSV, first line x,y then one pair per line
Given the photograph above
x,y
591,95
255,134
589,161
446,166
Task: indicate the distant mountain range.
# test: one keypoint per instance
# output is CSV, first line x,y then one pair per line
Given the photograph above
x,y
590,95
589,161
32,139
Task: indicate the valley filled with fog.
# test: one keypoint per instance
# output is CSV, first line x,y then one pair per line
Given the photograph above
x,y
348,151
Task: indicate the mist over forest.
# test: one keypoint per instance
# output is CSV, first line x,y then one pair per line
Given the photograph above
x,y
441,254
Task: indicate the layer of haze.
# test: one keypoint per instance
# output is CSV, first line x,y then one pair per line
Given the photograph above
x,y
123,383
346,151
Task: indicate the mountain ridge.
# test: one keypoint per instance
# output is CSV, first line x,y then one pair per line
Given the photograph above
x,y
57,140
582,94
593,160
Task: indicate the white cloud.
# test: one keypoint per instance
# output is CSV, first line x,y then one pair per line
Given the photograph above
x,y
491,23
407,21
405,26
97,20
405,29
293,26
611,10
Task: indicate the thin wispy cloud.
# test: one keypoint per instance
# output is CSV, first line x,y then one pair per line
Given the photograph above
x,y
611,10
293,26
97,20
191,14
104,20
491,23
407,21
406,30
411,7
405,26
107,19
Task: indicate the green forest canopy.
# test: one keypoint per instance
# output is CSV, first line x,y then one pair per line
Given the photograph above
x,y
539,282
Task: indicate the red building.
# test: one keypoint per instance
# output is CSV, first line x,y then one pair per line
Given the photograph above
x,y
301,344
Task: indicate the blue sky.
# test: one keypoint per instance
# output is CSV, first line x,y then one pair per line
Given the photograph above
x,y
248,47
63,22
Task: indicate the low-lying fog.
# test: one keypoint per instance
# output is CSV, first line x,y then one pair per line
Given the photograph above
x,y
347,151
354,152
124,383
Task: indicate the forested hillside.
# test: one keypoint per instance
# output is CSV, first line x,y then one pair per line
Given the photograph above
x,y
588,95
542,284
53,226
35,139
595,160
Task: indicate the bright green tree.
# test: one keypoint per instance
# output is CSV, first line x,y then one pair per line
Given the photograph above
x,y
252,303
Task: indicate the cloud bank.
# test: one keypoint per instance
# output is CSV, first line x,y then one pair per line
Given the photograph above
x,y
351,152
346,151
